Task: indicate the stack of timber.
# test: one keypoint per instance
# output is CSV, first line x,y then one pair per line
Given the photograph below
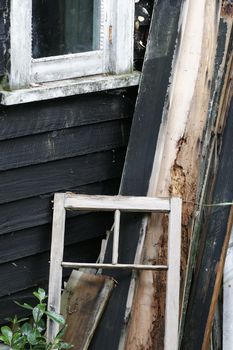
x,y
179,146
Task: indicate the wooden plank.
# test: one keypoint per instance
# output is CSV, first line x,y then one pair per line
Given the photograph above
x,y
114,266
123,203
87,296
61,144
31,241
140,154
36,211
55,176
20,52
19,275
214,238
173,276
66,113
56,258
116,236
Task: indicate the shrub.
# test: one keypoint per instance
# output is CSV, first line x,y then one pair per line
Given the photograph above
x,y
23,334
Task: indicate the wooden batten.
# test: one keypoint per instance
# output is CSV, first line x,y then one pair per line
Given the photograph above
x,y
178,159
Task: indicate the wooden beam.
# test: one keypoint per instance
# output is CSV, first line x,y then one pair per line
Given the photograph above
x,y
177,162
112,203
149,109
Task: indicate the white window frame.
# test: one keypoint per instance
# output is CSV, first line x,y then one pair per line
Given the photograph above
x,y
115,55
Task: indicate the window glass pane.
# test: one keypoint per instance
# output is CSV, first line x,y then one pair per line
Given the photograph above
x,y
61,27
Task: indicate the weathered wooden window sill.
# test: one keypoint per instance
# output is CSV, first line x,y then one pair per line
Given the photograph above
x,y
69,87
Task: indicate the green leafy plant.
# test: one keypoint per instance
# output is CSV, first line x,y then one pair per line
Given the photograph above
x,y
22,334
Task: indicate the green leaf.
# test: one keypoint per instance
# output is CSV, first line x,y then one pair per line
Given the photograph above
x,y
32,338
55,317
37,313
3,339
7,333
41,326
18,341
24,305
40,294
26,329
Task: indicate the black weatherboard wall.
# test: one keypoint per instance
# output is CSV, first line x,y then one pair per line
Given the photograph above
x,y
75,144
70,144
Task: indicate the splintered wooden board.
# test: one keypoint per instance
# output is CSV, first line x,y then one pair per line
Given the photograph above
x,y
83,303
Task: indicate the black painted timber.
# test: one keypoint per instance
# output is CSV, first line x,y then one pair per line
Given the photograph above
x,y
71,144
147,118
35,211
34,118
60,175
32,270
62,144
213,233
78,229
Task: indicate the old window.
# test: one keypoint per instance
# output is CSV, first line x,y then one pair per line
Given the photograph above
x,y
53,40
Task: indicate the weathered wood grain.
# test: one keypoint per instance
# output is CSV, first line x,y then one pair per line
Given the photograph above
x,y
87,296
36,211
208,271
56,258
35,240
64,174
62,144
39,117
177,160
140,154
31,271
123,203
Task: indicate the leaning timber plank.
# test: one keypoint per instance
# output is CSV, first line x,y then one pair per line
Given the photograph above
x,y
39,117
83,302
221,70
140,154
177,162
215,234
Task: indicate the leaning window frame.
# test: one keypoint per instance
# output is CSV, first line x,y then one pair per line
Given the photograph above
x,y
115,55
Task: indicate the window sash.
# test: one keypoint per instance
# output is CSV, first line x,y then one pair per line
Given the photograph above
x,y
115,54
67,66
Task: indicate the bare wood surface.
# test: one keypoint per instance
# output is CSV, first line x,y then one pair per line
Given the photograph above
x,y
110,203
177,162
116,233
173,276
86,298
55,273
115,266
